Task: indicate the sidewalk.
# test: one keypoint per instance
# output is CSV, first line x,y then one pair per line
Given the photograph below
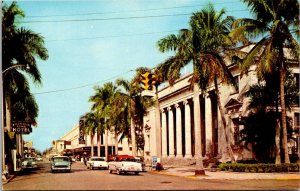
x,y
189,172
11,176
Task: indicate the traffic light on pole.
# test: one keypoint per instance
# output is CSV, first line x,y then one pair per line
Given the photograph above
x,y
148,80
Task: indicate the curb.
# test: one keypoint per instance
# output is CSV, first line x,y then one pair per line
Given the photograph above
x,y
295,177
169,174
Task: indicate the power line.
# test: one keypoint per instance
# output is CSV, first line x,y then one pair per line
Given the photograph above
x,y
139,10
82,86
111,36
115,18
105,19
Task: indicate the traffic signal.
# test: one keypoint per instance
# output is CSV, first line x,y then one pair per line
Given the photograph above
x,y
148,80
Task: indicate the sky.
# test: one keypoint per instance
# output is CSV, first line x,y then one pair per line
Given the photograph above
x,y
94,42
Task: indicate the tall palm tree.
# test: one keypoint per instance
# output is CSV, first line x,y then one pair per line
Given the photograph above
x,y
264,96
19,46
129,95
202,45
102,100
211,39
137,105
91,125
275,21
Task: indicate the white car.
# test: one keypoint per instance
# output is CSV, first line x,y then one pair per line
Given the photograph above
x,y
97,162
29,163
124,164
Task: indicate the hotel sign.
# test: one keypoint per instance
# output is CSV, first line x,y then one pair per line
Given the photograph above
x,y
21,127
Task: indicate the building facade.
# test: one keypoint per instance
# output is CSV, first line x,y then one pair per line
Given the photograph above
x,y
179,112
70,145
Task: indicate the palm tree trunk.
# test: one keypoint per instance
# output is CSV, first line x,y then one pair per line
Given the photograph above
x,y
106,144
277,143
98,143
116,143
277,134
133,142
198,142
226,134
92,144
283,110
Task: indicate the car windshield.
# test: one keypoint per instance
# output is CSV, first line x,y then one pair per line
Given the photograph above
x,y
97,159
60,159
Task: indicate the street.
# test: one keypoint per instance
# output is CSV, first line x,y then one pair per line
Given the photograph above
x,y
83,179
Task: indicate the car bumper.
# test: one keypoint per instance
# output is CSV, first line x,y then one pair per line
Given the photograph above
x,y
29,167
61,168
130,170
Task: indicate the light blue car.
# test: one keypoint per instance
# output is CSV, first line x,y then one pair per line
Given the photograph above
x,y
60,163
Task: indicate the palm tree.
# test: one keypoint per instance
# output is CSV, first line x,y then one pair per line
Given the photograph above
x,y
202,45
20,46
136,105
129,95
275,21
102,100
91,125
211,39
264,96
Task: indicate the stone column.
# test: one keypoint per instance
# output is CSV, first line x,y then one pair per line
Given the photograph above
x,y
188,143
198,144
171,133
164,133
208,126
178,132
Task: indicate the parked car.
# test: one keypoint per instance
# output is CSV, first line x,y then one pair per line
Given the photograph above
x,y
124,164
29,163
60,163
97,162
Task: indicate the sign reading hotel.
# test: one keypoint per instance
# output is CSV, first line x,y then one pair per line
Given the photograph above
x,y
21,127
81,132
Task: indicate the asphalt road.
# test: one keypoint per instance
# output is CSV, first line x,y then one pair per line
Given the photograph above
x,y
81,178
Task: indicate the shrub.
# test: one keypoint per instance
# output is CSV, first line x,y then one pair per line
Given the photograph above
x,y
238,167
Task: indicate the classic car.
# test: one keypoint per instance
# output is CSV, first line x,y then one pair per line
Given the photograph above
x,y
96,162
60,163
124,164
29,163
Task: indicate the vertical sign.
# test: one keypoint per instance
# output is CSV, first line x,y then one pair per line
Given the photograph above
x,y
81,132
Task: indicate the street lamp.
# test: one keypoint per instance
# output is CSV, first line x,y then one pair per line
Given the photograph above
x,y
2,105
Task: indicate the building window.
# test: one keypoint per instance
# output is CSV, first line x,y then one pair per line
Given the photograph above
x,y
120,148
